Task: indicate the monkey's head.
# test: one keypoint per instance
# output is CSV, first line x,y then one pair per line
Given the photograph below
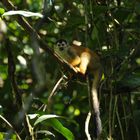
x,y
61,47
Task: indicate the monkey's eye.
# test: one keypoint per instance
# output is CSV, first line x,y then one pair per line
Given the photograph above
x,y
58,44
63,44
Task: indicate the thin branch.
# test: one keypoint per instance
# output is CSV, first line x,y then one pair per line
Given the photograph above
x,y
30,30
120,124
11,74
132,115
87,126
10,125
56,87
9,5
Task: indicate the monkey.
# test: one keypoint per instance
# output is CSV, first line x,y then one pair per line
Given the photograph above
x,y
87,63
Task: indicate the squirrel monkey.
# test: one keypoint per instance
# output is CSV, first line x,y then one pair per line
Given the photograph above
x,y
87,63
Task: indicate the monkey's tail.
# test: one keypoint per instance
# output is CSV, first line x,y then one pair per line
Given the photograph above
x,y
94,103
96,113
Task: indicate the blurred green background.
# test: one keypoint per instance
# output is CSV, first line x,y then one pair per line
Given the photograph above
x,y
109,27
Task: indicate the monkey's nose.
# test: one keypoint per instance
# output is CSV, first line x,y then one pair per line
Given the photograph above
x,y
61,48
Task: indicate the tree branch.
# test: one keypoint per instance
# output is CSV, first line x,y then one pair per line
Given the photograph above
x,y
16,90
30,30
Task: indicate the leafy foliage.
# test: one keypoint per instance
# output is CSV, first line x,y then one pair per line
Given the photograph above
x,y
29,71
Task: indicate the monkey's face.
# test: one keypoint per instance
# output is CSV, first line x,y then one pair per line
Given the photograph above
x,y
61,48
62,45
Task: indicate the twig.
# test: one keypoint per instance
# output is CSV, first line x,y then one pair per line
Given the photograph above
x,y
10,125
57,85
132,115
11,74
55,88
87,126
120,124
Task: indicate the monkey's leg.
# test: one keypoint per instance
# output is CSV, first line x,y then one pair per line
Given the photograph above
x,y
85,59
75,61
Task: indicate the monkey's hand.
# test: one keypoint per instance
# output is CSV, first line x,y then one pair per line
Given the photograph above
x,y
77,69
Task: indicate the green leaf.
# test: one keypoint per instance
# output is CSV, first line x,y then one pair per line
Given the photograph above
x,y
97,10
122,14
2,11
23,13
57,125
1,136
132,80
137,7
95,33
45,117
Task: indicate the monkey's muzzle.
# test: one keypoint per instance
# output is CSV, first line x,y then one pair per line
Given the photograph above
x,y
61,48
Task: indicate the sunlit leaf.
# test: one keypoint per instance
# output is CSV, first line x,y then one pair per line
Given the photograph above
x,y
32,116
57,125
45,117
1,136
23,13
45,132
2,11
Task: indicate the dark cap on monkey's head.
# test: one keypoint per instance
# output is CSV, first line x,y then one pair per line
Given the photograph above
x,y
61,41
